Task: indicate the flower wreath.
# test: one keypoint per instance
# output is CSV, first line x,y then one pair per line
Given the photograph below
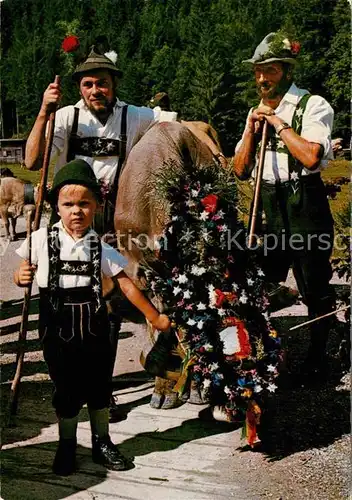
x,y
215,294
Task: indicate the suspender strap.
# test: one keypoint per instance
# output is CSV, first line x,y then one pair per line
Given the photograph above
x,y
73,135
122,157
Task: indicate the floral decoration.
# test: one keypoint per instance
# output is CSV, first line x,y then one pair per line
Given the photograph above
x,y
208,283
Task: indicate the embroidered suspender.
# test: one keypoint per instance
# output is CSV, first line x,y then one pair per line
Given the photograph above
x,y
58,267
123,139
73,136
294,166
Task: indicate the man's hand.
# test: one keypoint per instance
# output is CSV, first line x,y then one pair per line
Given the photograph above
x,y
161,323
25,274
51,98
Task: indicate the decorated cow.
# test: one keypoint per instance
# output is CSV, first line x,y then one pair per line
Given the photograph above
x,y
176,219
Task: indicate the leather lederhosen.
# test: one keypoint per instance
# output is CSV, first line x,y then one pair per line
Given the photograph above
x,y
75,332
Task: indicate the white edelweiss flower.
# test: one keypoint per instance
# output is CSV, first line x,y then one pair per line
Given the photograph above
x,y
258,388
235,286
176,290
201,306
272,387
287,44
280,144
182,278
271,368
207,187
175,217
187,294
260,272
204,215
220,213
294,176
190,203
208,347
221,312
206,383
194,193
243,299
299,112
200,325
250,282
191,322
205,235
213,367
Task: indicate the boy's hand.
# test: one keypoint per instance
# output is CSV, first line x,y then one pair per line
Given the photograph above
x,y
25,274
162,323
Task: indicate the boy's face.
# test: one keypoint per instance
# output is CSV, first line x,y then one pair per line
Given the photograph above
x,y
76,206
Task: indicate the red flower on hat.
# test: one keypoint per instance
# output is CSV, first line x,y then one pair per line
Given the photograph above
x,y
295,47
210,203
70,43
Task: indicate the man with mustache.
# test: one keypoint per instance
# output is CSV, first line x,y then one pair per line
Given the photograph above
x,y
299,225
99,129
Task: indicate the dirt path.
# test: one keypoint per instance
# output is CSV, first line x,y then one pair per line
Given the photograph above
x,y
305,451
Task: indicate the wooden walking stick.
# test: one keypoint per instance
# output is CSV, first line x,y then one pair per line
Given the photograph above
x,y
23,328
27,294
258,182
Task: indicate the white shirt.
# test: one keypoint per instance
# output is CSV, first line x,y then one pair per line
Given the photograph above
x,y
138,121
112,262
164,116
317,125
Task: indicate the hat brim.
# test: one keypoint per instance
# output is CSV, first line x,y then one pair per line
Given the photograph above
x,y
53,194
91,68
288,60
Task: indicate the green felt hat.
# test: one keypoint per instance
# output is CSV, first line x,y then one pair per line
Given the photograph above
x,y
75,172
95,62
275,47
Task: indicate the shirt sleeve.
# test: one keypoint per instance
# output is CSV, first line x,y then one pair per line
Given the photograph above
x,y
63,124
38,237
112,262
238,145
317,124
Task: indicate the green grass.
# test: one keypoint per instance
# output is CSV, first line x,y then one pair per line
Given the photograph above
x,y
28,175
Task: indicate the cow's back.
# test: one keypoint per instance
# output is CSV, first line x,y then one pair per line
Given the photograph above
x,y
138,212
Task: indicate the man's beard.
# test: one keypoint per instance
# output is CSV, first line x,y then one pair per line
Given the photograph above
x,y
278,90
103,110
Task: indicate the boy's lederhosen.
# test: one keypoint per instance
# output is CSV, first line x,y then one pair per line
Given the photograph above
x,y
300,207
73,326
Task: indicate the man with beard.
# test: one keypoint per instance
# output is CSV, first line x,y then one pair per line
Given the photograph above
x,y
299,225
99,129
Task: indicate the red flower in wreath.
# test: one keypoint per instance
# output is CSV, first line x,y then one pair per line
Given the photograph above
x,y
220,297
70,43
210,203
295,47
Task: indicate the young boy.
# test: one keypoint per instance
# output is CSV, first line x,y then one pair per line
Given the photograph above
x,y
68,259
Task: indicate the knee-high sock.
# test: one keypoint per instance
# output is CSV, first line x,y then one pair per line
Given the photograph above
x,y
68,428
99,421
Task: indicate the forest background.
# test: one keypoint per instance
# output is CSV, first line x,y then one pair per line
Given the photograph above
x,y
192,49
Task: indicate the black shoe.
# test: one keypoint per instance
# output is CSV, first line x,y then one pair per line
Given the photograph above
x,y
65,458
104,452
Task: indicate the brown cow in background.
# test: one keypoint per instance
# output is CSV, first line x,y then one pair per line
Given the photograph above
x,y
16,197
